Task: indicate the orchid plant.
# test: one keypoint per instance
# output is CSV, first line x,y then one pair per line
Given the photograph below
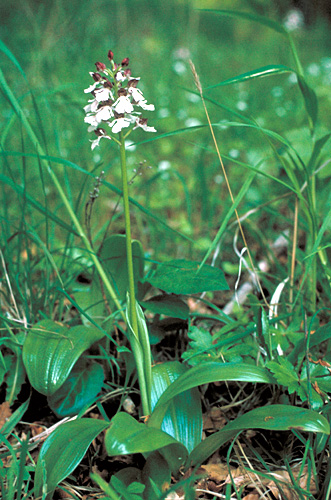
x,y
117,103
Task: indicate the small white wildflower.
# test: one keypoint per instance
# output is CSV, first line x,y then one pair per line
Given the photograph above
x,y
101,134
123,105
123,112
91,108
103,94
120,77
91,119
118,124
104,113
142,123
91,88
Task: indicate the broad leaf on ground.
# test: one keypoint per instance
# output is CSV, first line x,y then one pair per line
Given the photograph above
x,y
51,350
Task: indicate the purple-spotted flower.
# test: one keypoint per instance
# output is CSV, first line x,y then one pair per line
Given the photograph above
x,y
116,102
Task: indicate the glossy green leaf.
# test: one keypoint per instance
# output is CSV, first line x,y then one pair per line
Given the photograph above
x,y
51,350
183,277
126,436
80,389
63,450
168,305
256,73
204,374
183,418
272,417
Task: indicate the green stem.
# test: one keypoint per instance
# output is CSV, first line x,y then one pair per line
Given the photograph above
x,y
129,258
136,345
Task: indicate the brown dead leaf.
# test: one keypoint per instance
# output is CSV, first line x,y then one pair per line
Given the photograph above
x,y
5,413
252,496
216,472
214,420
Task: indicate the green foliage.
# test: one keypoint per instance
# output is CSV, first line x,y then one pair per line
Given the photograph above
x,y
285,374
273,134
183,277
62,451
51,350
79,390
183,419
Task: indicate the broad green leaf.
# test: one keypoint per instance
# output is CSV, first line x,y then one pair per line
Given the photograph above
x,y
51,350
256,73
168,305
204,374
183,419
272,417
125,436
80,389
183,277
63,450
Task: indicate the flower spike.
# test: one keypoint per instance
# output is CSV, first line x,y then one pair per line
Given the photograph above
x,y
116,102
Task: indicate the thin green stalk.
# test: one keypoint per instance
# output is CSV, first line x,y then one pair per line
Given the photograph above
x,y
137,349
129,259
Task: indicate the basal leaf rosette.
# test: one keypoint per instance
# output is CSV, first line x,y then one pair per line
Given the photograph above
x,y
116,102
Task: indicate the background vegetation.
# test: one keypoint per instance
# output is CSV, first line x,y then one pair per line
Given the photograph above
x,y
179,202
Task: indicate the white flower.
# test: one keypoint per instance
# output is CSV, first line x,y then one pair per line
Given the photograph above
x,y
120,77
138,97
103,94
101,135
104,113
91,108
118,124
142,123
91,119
91,88
123,105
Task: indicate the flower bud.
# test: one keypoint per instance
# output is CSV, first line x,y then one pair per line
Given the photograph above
x,y
96,77
110,55
100,66
125,61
